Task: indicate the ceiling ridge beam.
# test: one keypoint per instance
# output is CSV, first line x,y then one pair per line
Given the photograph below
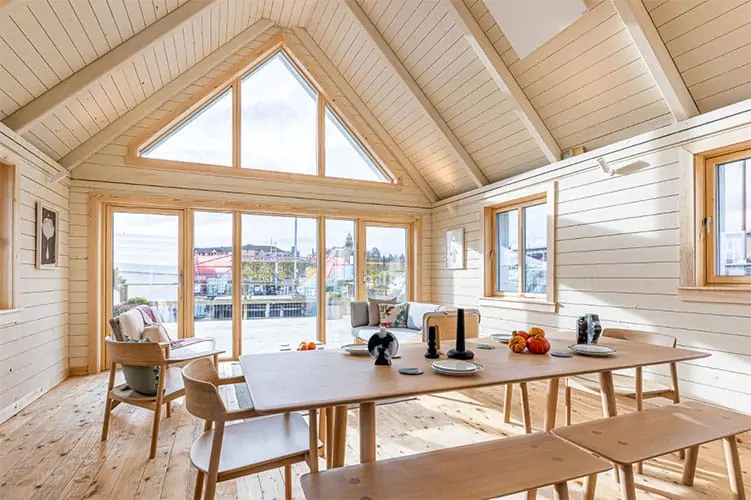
x,y
32,113
505,80
363,110
152,103
659,62
458,150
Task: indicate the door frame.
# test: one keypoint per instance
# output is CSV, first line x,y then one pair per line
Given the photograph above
x,y
361,249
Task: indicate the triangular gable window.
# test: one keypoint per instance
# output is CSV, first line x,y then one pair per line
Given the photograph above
x,y
285,124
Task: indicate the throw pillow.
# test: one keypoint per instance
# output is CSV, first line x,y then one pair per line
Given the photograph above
x,y
142,379
374,313
393,315
417,312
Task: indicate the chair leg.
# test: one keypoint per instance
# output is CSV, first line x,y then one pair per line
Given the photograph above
x,y
639,395
507,404
106,423
567,403
157,413
329,437
213,473
169,409
526,416
199,485
287,482
590,485
628,488
531,494
735,475
689,467
561,491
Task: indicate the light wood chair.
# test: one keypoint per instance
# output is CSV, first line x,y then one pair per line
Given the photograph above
x,y
508,401
240,449
633,387
169,388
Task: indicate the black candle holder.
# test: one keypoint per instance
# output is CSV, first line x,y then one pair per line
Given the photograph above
x,y
461,351
432,352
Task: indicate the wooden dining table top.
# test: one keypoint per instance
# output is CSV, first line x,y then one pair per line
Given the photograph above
x,y
300,380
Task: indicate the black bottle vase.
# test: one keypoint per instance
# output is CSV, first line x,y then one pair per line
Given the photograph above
x,y
461,351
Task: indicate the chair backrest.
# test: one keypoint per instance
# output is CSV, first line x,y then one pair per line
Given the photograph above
x,y
202,397
638,336
135,353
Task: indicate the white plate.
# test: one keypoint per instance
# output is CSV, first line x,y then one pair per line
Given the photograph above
x,y
356,349
501,337
592,350
456,367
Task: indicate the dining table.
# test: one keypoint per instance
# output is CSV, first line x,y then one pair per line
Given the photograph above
x,y
333,379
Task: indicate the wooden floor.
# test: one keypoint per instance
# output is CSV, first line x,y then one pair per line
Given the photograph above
x,y
52,449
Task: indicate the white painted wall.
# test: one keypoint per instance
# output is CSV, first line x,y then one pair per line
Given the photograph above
x,y
34,351
618,254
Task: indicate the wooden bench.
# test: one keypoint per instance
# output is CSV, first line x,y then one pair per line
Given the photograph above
x,y
629,439
484,470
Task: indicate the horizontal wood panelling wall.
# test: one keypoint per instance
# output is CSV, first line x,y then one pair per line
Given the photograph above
x,y
34,351
710,42
617,254
589,83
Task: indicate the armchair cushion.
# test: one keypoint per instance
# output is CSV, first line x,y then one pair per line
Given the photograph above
x,y
359,313
142,379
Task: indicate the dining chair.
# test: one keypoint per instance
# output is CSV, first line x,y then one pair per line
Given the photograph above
x,y
228,450
626,385
168,387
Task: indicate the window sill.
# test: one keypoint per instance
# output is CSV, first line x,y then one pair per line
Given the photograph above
x,y
528,303
720,294
9,317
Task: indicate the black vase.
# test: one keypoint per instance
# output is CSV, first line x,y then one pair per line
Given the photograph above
x,y
461,351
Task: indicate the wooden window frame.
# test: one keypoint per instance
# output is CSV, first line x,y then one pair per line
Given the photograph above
x,y
232,80
544,302
10,259
698,280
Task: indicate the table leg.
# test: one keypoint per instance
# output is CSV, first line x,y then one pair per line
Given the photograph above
x,y
367,432
313,439
329,437
552,405
607,394
340,436
735,473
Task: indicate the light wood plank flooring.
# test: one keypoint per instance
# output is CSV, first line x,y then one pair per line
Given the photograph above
x,y
52,449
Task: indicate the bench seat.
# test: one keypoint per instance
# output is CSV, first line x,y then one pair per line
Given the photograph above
x,y
635,437
477,471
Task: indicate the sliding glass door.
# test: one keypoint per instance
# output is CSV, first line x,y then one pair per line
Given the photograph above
x,y
340,280
145,264
386,259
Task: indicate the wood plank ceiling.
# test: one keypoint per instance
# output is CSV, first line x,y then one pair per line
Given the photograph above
x,y
589,86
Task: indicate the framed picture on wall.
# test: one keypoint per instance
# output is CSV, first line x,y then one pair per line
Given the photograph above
x,y
47,236
455,248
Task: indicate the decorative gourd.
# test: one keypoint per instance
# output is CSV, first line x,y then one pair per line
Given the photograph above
x,y
517,343
538,344
536,331
520,333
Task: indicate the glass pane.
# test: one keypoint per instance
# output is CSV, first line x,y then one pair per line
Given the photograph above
x,y
507,251
279,287
205,137
212,278
731,219
535,249
340,280
145,265
279,119
345,157
386,262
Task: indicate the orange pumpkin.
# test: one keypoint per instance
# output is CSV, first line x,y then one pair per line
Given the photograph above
x,y
303,346
520,333
536,331
538,345
517,343
312,346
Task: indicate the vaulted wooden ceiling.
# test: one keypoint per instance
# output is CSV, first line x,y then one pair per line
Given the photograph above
x,y
439,76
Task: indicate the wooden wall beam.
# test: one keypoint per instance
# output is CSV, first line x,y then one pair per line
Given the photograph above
x,y
363,110
29,115
659,62
135,115
458,150
502,76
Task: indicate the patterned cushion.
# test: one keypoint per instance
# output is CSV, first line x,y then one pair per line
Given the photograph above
x,y
393,315
374,314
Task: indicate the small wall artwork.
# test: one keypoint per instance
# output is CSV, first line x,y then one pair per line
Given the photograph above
x,y
455,248
47,236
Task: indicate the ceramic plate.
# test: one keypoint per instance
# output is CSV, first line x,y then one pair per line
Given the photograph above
x,y
501,337
592,350
356,349
456,367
